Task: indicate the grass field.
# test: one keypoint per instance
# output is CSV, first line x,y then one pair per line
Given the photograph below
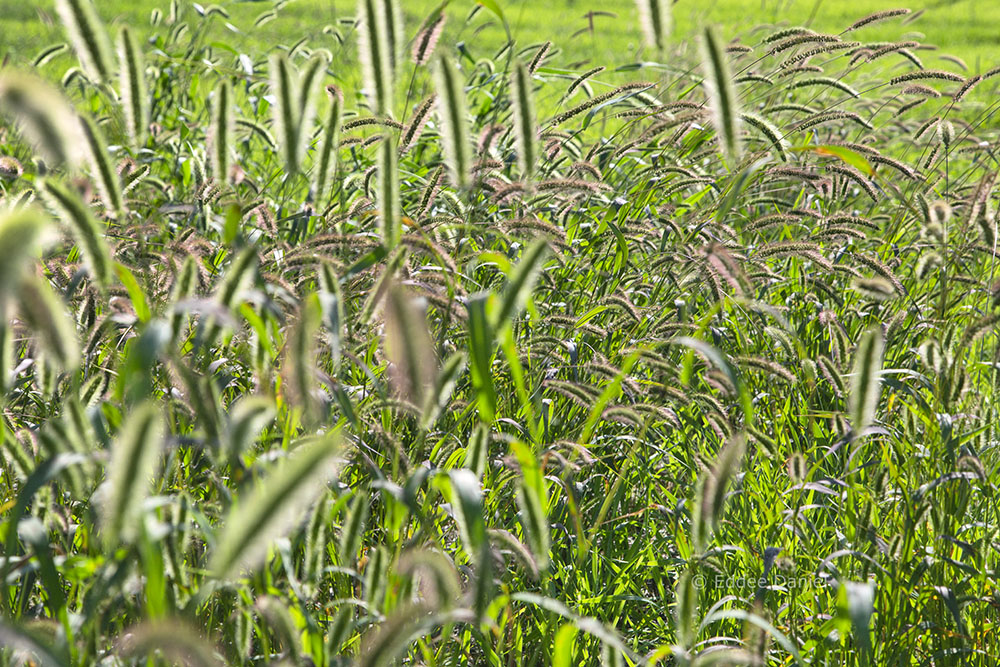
x,y
634,349
964,28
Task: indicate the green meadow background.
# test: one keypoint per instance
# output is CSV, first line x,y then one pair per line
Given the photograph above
x,y
965,28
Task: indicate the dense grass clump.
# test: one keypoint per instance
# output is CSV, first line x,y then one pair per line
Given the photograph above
x,y
492,361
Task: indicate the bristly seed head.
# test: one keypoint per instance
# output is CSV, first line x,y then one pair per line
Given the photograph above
x,y
10,168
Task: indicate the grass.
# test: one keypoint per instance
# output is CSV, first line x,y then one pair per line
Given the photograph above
x,y
503,361
963,28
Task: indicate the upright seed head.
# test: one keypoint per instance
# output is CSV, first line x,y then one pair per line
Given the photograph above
x,y
103,171
221,132
866,380
375,53
88,37
525,132
656,21
326,161
454,118
304,111
132,84
721,94
44,117
390,211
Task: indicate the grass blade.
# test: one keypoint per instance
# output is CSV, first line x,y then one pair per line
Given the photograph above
x,y
467,506
447,379
482,348
532,499
354,529
520,283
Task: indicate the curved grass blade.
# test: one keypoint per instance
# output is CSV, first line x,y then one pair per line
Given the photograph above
x,y
532,500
